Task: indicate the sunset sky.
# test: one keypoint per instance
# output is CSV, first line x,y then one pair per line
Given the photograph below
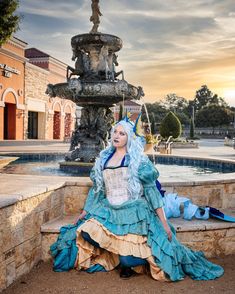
x,y
170,46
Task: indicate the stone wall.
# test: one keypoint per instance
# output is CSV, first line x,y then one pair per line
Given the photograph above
x,y
20,237
22,245
74,198
36,80
218,194
35,88
213,243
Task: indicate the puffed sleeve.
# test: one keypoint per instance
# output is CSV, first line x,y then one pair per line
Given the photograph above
x,y
148,175
91,199
92,176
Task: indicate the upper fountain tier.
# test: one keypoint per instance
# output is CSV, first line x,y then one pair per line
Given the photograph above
x,y
94,80
88,42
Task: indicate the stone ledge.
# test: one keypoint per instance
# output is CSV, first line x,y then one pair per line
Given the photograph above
x,y
218,179
180,224
55,225
28,186
5,160
182,145
6,200
79,181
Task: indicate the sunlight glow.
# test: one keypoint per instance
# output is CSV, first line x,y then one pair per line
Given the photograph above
x,y
230,93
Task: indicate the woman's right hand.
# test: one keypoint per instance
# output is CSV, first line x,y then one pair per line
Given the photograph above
x,y
168,231
81,216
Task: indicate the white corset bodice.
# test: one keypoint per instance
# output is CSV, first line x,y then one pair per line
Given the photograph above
x,y
116,185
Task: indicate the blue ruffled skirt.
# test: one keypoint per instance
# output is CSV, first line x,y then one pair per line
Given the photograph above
x,y
136,218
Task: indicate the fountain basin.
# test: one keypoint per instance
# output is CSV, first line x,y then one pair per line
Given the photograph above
x,y
102,93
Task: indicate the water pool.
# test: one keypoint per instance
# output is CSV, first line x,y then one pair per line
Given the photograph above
x,y
169,167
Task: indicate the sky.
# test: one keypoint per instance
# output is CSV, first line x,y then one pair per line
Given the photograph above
x,y
170,46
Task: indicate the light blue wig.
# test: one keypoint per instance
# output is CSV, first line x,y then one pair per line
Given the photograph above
x,y
135,155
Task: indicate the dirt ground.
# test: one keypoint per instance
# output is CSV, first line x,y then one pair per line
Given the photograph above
x,y
43,280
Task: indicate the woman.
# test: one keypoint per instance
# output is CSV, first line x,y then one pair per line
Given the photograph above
x,y
123,221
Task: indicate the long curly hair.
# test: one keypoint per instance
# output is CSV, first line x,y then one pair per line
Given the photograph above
x,y
135,155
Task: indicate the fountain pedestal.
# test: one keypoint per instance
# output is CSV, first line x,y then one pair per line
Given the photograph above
x,y
94,85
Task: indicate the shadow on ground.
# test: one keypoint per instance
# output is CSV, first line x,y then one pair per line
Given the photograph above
x,y
43,280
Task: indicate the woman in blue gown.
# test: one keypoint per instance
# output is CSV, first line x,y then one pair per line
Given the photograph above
x,y
123,222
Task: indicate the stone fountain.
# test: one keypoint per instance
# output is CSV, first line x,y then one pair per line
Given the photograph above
x,y
95,85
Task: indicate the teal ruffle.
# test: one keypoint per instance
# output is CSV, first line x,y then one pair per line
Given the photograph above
x,y
175,259
64,250
138,217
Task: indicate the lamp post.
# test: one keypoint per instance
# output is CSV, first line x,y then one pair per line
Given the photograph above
x,y
193,115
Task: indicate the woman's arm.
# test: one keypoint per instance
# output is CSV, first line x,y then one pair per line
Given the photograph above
x,y
148,175
161,214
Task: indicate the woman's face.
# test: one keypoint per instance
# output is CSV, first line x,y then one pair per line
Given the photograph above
x,y
119,138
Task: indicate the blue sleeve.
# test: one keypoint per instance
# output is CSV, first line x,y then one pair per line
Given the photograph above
x,y
89,200
148,175
92,198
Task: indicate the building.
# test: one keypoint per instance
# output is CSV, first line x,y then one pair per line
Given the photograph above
x,y
12,90
129,107
26,112
55,116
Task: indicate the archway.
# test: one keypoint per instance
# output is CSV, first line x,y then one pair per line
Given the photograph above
x,y
57,120
10,101
67,121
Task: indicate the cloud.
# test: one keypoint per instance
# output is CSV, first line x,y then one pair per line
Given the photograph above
x,y
168,46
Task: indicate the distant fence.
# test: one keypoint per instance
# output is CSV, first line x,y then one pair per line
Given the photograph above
x,y
211,133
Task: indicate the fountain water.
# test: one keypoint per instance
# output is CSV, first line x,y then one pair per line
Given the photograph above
x,y
94,85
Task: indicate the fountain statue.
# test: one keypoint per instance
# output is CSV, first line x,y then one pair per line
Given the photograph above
x,y
96,85
95,17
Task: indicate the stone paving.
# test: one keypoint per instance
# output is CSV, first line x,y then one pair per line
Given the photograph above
x,y
212,148
32,147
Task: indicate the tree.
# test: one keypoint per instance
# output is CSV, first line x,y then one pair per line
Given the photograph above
x,y
174,103
204,97
156,113
183,117
170,126
9,22
178,105
213,116
218,101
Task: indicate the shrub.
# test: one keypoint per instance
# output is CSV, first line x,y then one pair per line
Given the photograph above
x,y
170,126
